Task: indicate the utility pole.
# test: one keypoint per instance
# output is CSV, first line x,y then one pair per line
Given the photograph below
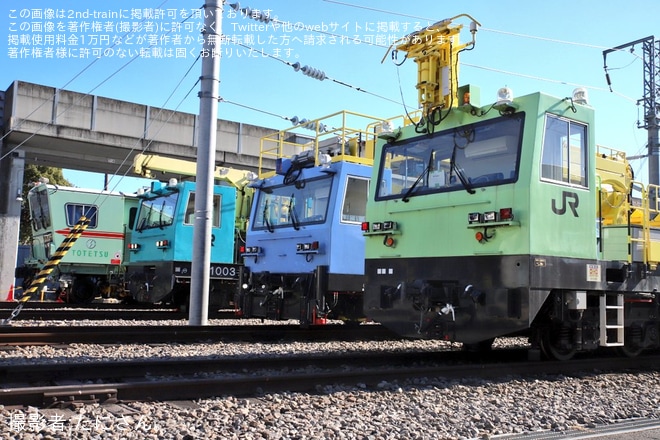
x,y
651,57
208,118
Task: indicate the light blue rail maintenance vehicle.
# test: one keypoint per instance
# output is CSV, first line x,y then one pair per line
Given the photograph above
x,y
304,246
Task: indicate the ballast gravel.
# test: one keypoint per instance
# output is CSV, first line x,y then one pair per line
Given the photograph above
x,y
429,408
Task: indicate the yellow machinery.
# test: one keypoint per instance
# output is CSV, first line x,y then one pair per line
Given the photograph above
x,y
435,50
619,212
615,180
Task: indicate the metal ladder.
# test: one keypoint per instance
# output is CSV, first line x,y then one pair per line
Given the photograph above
x,y
611,320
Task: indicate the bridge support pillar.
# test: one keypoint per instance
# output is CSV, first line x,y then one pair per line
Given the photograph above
x,y
12,166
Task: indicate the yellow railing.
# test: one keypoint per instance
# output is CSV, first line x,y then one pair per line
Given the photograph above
x,y
646,216
640,217
334,135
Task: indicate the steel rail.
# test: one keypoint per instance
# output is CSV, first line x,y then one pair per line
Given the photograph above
x,y
51,311
260,376
146,334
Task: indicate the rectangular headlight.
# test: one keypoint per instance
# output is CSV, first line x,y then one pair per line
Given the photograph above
x,y
389,225
474,217
490,216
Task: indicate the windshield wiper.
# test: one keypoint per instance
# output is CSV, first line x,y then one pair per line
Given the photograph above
x,y
160,215
269,227
292,214
453,166
461,176
142,223
406,196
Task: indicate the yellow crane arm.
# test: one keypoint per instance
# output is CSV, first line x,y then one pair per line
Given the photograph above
x,y
148,165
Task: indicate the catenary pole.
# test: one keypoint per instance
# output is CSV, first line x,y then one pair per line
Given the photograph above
x,y
208,120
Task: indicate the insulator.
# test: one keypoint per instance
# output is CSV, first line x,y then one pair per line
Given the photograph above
x,y
313,73
249,13
263,18
296,66
309,125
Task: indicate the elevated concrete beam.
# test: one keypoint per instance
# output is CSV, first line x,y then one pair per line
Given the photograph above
x,y
54,126
71,130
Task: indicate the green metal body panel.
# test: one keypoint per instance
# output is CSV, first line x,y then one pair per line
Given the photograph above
x,y
436,225
101,248
437,272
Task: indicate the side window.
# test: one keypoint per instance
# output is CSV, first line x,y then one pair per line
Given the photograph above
x,y
565,152
355,200
132,214
189,218
217,204
75,211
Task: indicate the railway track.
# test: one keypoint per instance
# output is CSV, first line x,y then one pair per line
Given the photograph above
x,y
51,311
148,334
54,385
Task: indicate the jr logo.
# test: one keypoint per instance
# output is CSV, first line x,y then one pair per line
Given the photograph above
x,y
567,198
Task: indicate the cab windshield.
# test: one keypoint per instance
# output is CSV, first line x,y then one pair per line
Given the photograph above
x,y
157,212
302,203
459,159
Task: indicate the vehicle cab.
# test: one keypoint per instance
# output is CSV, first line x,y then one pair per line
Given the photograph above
x,y
161,244
304,245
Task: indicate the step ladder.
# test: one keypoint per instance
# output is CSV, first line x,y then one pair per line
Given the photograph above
x,y
611,320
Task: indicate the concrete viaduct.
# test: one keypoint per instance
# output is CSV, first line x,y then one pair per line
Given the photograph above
x,y
64,129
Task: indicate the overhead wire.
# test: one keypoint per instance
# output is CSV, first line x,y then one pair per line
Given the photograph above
x,y
538,78
296,66
515,34
247,12
287,24
45,125
82,96
161,110
24,119
283,23
286,118
552,40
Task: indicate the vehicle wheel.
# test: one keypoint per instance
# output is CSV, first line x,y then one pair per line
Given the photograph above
x,y
631,346
83,290
629,350
556,344
180,297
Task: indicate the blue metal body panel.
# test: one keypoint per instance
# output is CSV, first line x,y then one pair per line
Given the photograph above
x,y
305,248
340,239
179,233
161,244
